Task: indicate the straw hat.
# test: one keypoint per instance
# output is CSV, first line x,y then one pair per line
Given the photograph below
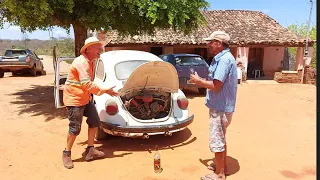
x,y
89,42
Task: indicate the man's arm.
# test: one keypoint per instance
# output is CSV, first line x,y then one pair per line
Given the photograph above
x,y
86,82
214,85
219,77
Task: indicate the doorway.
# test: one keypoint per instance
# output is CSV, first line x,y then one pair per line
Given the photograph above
x,y
255,62
156,50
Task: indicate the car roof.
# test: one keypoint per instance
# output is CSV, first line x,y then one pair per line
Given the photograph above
x,y
182,54
125,55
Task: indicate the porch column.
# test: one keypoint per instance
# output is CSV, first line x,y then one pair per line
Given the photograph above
x,y
299,58
168,50
242,55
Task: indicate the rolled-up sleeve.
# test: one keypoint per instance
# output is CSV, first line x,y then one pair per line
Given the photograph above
x,y
222,70
85,80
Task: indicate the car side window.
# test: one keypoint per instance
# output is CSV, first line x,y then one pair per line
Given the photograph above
x,y
100,70
178,61
165,58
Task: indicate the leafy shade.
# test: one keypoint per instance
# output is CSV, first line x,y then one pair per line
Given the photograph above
x,y
301,30
126,16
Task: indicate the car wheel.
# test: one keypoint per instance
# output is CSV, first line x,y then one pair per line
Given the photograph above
x,y
14,73
33,71
202,90
1,73
100,134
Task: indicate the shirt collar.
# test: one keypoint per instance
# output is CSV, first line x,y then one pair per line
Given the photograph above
x,y
220,54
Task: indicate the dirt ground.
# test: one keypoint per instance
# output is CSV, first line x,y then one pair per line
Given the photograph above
x,y
272,136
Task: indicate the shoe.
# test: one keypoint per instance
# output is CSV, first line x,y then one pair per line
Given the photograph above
x,y
93,153
66,158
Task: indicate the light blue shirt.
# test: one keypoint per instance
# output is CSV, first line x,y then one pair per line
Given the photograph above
x,y
223,68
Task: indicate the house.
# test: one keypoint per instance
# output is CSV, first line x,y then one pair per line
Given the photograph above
x,y
256,39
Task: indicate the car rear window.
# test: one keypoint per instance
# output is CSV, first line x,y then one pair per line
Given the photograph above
x,y
124,69
190,60
13,53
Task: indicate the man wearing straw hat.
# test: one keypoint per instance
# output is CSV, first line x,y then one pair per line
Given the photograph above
x,y
220,98
77,97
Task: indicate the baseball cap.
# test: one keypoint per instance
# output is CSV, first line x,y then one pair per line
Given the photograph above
x,y
220,36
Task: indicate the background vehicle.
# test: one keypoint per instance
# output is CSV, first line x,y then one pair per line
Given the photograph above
x,y
150,100
19,61
185,64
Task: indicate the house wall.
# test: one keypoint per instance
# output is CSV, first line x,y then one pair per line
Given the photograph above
x,y
299,57
272,60
168,50
183,50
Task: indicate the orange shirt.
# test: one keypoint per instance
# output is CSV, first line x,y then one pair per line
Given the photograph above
x,y
79,84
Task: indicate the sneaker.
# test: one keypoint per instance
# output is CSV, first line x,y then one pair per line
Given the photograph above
x,y
93,153
66,158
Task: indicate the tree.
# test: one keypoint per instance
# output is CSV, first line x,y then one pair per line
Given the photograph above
x,y
301,31
126,16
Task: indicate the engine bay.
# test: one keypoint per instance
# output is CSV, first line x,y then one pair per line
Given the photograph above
x,y
148,104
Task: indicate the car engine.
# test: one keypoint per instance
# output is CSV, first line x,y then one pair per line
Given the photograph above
x,y
148,104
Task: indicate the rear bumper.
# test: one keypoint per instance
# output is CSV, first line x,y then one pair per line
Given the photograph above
x,y
148,128
11,66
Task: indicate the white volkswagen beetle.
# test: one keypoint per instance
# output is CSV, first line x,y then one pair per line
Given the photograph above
x,y
150,100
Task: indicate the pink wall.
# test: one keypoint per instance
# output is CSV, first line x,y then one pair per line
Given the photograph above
x,y
272,60
299,57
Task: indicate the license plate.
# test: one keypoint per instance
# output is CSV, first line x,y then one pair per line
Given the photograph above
x,y
10,59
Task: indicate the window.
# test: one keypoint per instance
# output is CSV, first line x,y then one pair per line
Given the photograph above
x,y
124,69
13,53
190,60
164,58
100,70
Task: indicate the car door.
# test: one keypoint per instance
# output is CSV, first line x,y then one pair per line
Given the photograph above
x,y
61,73
38,63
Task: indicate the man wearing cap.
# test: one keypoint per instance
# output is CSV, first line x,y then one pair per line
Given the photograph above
x,y
77,97
220,98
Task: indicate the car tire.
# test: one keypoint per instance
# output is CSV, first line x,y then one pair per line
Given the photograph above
x,y
33,71
14,73
100,134
202,91
1,73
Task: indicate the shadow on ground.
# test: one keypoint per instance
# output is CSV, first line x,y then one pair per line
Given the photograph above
x,y
232,164
38,100
113,144
192,93
309,171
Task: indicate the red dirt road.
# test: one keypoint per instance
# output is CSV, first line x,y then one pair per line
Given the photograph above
x,y
272,136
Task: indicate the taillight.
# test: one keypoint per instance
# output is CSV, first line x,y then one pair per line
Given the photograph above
x,y
182,102
27,58
111,107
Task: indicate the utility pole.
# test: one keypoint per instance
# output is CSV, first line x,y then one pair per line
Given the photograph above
x,y
306,53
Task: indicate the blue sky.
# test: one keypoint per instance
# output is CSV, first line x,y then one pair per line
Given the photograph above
x,y
285,12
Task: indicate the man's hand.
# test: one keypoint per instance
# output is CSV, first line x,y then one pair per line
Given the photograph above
x,y
111,92
194,78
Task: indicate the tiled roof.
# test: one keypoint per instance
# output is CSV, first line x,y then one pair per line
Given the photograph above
x,y
244,27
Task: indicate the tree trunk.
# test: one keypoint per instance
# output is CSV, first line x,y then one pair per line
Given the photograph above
x,y
80,35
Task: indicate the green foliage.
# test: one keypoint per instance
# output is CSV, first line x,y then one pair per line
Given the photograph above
x,y
64,47
301,30
126,16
